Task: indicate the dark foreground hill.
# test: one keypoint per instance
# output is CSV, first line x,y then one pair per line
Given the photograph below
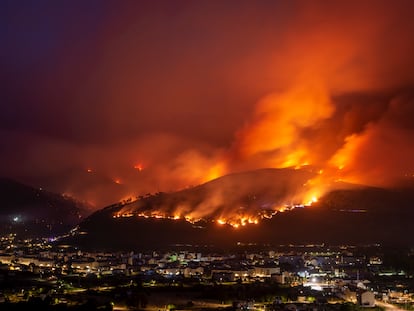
x,y
354,216
32,212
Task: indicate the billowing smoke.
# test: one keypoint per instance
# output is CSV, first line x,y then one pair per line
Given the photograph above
x,y
147,98
344,106
236,199
381,154
276,132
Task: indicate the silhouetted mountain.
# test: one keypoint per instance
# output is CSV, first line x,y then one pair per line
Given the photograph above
x,y
36,212
356,215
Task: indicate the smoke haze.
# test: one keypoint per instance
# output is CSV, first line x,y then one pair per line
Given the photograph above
x,y
105,100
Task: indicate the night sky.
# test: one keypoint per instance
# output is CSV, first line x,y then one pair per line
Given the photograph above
x,y
101,100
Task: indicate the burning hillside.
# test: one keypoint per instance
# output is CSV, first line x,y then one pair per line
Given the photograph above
x,y
158,97
236,199
210,214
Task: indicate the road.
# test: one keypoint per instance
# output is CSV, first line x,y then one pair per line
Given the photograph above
x,y
388,306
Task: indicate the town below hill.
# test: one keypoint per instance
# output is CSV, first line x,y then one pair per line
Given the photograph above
x,y
40,274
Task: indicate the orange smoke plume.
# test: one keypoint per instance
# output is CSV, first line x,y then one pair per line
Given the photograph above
x,y
278,123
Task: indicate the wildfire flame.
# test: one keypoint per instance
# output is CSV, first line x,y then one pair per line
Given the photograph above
x,y
232,218
329,85
139,167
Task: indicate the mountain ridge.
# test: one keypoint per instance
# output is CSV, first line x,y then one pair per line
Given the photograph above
x,y
31,212
357,214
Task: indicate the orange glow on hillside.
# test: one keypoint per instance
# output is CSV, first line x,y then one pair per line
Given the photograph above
x,y
327,86
214,172
232,218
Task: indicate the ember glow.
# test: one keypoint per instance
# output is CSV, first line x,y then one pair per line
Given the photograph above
x,y
237,200
234,220
139,98
139,167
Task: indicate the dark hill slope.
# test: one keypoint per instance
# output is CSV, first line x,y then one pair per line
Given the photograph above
x,y
36,212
